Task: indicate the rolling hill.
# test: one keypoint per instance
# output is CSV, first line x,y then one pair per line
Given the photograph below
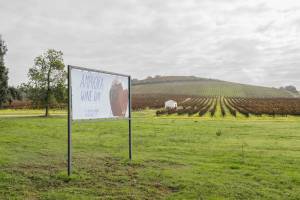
x,y
191,85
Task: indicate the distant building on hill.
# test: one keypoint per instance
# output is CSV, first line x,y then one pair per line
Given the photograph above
x,y
170,104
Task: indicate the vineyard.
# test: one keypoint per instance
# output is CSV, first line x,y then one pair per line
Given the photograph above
x,y
195,105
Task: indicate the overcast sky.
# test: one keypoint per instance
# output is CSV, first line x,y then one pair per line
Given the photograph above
x,y
254,41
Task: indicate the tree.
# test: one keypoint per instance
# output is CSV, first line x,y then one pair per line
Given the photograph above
x,y
14,94
291,88
46,77
3,74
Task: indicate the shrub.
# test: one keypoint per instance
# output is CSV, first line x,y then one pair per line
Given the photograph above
x,y
219,133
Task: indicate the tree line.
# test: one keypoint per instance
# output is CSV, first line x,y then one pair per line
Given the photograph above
x,y
47,81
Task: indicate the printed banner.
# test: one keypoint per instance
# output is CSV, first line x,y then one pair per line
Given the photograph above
x,y
98,95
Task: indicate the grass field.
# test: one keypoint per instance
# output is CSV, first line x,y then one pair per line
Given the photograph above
x,y
173,158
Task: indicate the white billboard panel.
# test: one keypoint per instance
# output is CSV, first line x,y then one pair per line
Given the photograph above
x,y
98,95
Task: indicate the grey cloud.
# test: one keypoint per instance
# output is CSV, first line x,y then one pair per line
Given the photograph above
x,y
254,9
242,51
265,27
297,23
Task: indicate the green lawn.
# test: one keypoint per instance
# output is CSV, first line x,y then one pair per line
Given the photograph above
x,y
173,158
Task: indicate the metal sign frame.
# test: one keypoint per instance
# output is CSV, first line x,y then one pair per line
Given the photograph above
x,y
70,67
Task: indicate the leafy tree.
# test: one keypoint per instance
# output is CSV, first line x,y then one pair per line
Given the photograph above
x,y
3,74
291,88
47,78
14,94
60,93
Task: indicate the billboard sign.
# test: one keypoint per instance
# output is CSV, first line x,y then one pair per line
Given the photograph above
x,y
95,94
98,94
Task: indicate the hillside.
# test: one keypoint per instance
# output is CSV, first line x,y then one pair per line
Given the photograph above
x,y
190,85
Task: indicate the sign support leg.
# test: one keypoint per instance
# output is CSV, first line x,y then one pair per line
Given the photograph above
x,y
129,118
69,123
69,147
